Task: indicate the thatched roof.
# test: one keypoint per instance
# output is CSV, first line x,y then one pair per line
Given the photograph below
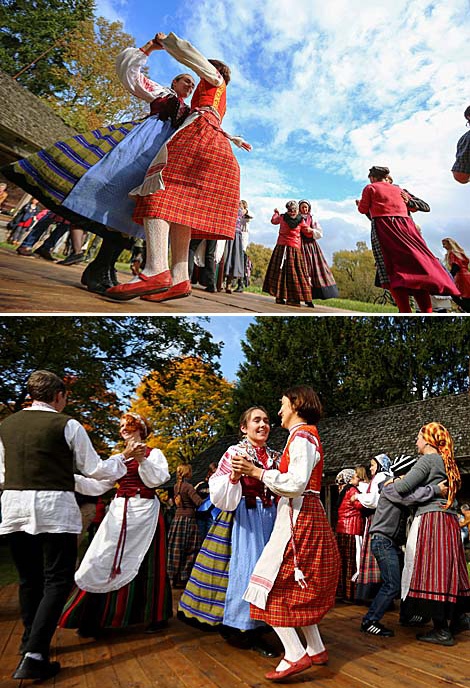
x,y
357,437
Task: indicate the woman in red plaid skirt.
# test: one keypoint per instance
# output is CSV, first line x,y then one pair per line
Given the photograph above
x,y
435,578
192,187
294,582
287,276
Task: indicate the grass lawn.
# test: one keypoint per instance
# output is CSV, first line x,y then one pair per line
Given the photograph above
x,y
345,304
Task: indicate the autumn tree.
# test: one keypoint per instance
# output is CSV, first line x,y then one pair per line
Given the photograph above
x,y
187,405
355,364
100,357
259,256
32,27
354,272
93,95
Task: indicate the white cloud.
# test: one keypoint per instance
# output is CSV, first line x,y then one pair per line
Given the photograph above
x,y
344,85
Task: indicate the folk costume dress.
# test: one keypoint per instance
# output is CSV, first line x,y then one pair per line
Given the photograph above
x,y
195,178
459,268
287,276
234,262
184,540
302,544
122,578
233,545
87,178
402,257
349,529
435,580
321,278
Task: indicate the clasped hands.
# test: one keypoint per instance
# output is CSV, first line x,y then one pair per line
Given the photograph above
x,y
135,450
242,466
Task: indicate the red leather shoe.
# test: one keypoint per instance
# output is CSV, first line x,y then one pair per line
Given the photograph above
x,y
145,285
304,663
177,291
320,658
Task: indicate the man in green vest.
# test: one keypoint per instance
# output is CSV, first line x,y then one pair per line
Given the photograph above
x,y
41,449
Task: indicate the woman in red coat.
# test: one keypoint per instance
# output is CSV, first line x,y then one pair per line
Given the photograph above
x,y
405,265
349,528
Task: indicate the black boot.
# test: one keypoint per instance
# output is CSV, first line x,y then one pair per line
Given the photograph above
x,y
36,669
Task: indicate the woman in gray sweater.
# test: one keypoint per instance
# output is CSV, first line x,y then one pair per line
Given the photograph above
x,y
435,581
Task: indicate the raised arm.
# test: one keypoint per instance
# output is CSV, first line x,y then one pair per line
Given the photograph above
x,y
189,56
129,65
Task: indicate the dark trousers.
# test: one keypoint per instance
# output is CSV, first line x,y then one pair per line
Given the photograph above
x,y
37,231
46,567
388,559
209,261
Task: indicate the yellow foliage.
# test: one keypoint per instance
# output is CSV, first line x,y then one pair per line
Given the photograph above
x,y
186,404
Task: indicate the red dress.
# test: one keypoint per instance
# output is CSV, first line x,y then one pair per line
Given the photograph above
x,y
462,277
202,176
317,553
401,255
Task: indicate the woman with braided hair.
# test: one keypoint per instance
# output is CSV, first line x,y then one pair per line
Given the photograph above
x,y
435,580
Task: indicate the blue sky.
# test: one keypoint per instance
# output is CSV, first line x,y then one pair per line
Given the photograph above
x,y
325,90
231,331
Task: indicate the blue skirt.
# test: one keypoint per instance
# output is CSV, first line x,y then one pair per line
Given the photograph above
x,y
102,193
251,531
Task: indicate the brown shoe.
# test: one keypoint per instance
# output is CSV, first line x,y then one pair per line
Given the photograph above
x,y
23,251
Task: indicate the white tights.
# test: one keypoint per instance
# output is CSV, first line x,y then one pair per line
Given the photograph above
x,y
293,648
156,236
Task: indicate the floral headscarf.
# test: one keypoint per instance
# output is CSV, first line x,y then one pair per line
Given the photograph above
x,y
345,476
438,437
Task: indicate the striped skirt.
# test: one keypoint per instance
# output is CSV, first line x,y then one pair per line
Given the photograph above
x,y
202,182
317,552
347,552
184,543
146,599
369,579
287,276
204,596
51,174
321,277
439,580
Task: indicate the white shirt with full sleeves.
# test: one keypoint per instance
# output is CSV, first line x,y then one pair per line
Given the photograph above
x,y
129,65
370,499
94,574
54,511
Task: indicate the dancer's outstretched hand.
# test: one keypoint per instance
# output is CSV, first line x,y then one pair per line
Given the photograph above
x,y
160,36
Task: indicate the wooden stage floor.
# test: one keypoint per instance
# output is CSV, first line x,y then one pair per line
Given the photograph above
x,y
182,657
33,285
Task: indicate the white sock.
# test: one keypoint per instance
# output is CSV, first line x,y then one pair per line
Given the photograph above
x,y
293,648
313,638
156,238
35,655
180,236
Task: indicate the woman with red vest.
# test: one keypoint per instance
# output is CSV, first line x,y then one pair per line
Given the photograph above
x,y
294,582
126,583
405,265
349,528
192,187
287,275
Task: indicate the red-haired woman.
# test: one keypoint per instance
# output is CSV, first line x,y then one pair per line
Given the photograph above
x,y
126,583
192,187
435,579
294,582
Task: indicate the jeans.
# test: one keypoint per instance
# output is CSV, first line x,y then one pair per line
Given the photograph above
x,y
46,567
388,558
37,231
